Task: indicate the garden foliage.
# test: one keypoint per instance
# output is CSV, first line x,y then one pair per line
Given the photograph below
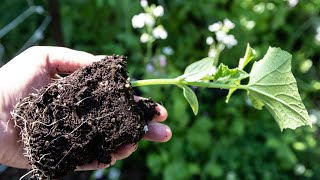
x,y
224,141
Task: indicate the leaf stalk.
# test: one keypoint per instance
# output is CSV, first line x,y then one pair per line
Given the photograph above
x,y
178,82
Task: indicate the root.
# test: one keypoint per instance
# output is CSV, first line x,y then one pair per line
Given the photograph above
x,y
78,103
68,133
25,137
21,178
77,127
63,157
37,122
54,140
7,126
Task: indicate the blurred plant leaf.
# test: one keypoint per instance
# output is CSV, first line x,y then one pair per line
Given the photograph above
x,y
191,98
272,84
198,69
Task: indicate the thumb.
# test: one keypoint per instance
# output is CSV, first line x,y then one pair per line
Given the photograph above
x,y
65,60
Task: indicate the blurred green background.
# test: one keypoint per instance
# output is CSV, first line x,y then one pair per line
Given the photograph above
x,y
225,141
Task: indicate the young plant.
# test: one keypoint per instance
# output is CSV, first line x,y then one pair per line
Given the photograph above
x,y
89,114
271,84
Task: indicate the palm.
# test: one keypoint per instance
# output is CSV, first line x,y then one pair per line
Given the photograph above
x,y
18,79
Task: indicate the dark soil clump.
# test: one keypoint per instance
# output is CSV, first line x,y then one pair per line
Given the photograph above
x,y
81,118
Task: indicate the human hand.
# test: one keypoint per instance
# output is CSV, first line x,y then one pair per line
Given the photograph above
x,y
34,68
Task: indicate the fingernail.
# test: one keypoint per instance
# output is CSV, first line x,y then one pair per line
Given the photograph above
x,y
135,147
113,163
102,166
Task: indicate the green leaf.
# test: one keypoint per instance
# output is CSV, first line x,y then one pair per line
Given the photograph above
x,y
229,76
198,70
231,91
248,57
191,98
225,75
273,85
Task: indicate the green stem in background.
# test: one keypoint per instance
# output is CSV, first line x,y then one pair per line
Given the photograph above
x,y
148,55
149,52
176,81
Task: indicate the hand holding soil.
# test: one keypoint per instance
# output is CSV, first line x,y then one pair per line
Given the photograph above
x,y
35,68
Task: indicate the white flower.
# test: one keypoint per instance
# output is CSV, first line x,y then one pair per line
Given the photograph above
x,y
299,169
149,20
305,66
138,21
158,11
167,50
220,35
209,40
293,3
215,27
229,41
159,32
145,38
314,116
250,25
228,24
144,3
142,19
231,175
313,119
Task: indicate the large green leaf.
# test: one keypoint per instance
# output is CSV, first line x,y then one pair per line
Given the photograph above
x,y
273,85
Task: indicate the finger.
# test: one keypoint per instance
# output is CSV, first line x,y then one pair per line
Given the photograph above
x,y
65,60
163,114
158,132
121,153
93,166
124,151
99,57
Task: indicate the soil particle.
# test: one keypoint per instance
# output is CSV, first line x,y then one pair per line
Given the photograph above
x,y
83,117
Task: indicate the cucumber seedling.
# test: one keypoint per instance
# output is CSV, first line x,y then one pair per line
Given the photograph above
x,y
89,114
271,84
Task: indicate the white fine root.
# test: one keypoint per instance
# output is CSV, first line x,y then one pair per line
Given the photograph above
x,y
27,174
145,129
